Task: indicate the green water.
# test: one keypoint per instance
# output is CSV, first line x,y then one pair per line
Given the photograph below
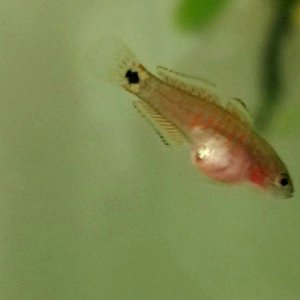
x,y
92,204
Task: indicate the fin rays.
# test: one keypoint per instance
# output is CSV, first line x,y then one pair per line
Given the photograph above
x,y
168,133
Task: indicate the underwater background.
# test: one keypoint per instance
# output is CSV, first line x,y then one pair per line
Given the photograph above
x,y
92,204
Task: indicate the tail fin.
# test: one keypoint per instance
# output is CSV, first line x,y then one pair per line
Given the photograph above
x,y
112,61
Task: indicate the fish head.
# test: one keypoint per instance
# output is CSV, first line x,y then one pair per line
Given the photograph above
x,y
268,170
281,184
274,178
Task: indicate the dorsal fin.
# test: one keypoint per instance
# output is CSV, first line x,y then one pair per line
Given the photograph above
x,y
183,82
238,108
171,73
168,133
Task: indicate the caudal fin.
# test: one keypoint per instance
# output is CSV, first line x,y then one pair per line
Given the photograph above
x,y
112,61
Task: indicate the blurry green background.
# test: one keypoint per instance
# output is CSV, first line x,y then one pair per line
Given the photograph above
x,y
92,204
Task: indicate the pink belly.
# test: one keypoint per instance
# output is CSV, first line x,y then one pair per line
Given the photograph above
x,y
217,157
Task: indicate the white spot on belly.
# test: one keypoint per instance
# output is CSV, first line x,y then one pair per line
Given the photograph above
x,y
203,153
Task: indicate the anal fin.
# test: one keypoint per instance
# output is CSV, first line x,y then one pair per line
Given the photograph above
x,y
168,133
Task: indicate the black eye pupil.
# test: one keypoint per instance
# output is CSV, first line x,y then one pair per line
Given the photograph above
x,y
284,181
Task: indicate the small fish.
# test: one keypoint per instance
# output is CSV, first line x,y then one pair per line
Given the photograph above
x,y
223,144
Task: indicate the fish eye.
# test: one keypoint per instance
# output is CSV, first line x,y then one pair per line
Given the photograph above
x,y
283,180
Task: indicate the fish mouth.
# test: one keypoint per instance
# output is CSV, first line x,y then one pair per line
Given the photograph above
x,y
282,193
290,191
288,195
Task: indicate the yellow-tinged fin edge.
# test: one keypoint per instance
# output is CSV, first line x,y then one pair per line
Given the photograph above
x,y
168,133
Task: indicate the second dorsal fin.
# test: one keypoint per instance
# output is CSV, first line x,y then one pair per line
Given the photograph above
x,y
168,133
238,108
163,71
183,82
206,91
